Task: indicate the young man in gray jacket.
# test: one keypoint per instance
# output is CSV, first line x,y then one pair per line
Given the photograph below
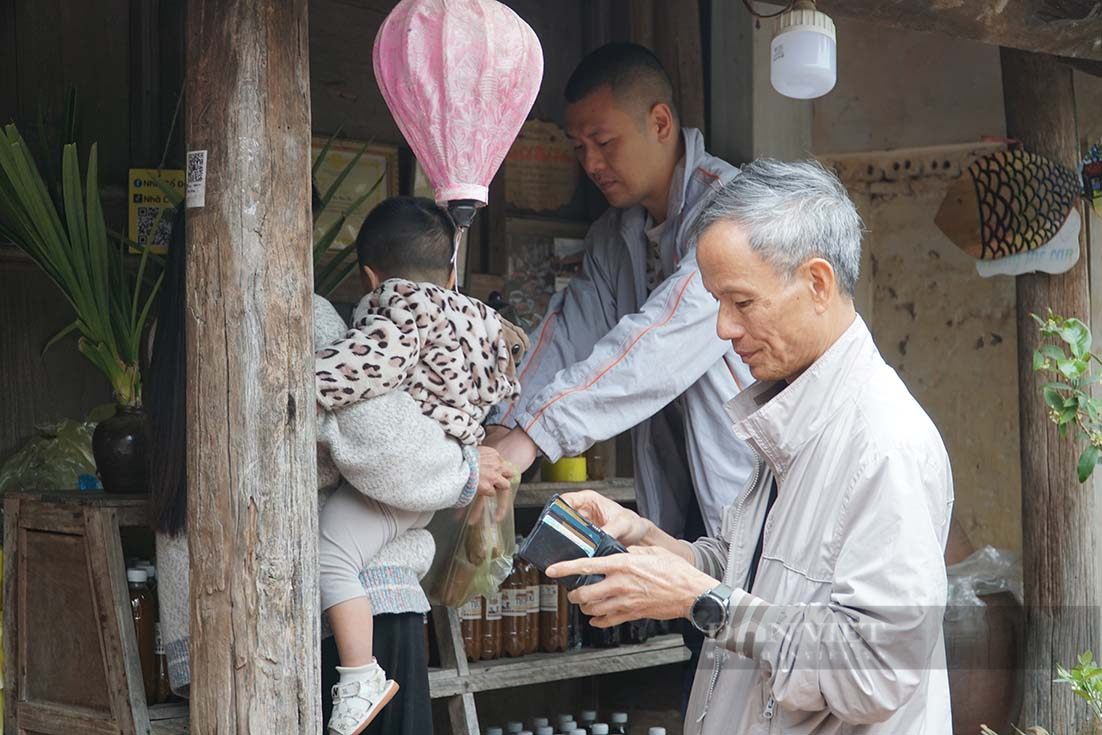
x,y
823,594
631,342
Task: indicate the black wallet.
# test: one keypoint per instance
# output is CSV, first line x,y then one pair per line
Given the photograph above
x,y
562,534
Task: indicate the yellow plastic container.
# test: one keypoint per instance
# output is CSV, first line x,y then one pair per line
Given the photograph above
x,y
567,469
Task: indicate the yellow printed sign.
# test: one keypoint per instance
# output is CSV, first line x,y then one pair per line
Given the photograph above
x,y
147,205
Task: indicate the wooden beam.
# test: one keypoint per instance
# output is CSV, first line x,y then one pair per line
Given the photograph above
x,y
1061,27
252,488
748,119
1061,528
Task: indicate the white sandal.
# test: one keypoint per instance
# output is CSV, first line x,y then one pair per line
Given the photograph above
x,y
355,705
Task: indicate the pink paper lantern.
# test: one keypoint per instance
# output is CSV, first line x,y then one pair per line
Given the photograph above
x,y
459,77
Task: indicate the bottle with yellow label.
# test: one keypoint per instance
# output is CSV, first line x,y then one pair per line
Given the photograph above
x,y
567,469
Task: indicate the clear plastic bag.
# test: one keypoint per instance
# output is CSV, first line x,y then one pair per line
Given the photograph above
x,y
988,571
53,460
474,549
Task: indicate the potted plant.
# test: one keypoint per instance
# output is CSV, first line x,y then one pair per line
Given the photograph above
x,y
111,294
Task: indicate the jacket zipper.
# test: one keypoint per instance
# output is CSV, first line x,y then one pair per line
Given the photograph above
x,y
719,654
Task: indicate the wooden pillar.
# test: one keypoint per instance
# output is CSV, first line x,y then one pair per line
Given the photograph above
x,y
677,42
670,28
749,119
1061,529
252,506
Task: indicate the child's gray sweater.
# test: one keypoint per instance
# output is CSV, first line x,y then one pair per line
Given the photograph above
x,y
385,448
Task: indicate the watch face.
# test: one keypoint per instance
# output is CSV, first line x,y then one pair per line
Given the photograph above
x,y
708,614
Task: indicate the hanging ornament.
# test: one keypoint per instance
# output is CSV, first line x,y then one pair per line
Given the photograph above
x,y
1011,204
459,77
1090,169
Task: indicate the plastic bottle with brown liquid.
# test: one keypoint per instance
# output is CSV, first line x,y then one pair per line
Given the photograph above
x,y
598,459
491,626
532,580
514,613
554,622
564,629
578,634
470,626
160,668
160,660
141,608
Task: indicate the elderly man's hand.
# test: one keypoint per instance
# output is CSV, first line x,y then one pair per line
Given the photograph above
x,y
622,524
515,446
646,582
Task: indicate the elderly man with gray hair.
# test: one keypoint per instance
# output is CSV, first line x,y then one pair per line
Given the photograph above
x,y
824,593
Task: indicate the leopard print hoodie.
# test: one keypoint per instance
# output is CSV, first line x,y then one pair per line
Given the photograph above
x,y
453,354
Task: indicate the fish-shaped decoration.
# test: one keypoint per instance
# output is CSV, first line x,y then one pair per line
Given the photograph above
x,y
1056,256
1007,203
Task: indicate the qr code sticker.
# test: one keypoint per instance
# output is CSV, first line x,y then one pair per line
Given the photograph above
x,y
196,178
147,216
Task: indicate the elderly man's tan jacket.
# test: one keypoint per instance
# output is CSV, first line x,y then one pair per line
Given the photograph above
x,y
841,631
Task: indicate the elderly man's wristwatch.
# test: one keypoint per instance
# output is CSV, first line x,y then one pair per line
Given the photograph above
x,y
711,610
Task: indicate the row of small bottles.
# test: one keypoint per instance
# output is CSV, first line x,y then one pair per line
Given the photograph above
x,y
141,576
532,613
586,724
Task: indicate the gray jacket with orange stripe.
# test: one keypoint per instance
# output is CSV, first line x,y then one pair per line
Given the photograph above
x,y
609,357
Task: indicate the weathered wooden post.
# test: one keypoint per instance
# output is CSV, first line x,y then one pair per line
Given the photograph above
x,y
1061,529
252,511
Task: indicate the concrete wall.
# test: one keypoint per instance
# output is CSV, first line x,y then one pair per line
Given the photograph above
x,y
950,334
915,97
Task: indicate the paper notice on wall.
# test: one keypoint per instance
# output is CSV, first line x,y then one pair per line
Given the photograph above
x,y
541,170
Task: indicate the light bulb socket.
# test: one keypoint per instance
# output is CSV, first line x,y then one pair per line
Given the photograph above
x,y
804,17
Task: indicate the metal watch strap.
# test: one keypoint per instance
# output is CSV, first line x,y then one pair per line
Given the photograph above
x,y
721,593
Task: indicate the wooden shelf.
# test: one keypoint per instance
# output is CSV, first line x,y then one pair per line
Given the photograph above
x,y
536,494
169,719
543,667
170,711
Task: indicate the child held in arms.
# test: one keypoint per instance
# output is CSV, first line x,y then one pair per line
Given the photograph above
x,y
456,358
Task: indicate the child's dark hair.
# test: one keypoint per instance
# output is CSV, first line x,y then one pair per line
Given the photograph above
x,y
407,237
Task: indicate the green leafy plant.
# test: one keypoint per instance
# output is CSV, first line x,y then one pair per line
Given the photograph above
x,y
70,243
1086,681
1070,403
327,276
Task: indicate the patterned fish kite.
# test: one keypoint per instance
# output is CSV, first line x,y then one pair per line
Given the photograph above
x,y
1007,203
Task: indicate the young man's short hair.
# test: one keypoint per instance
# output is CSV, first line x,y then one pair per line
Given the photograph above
x,y
407,237
632,72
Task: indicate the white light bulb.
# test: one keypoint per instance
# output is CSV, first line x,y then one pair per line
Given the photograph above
x,y
804,53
